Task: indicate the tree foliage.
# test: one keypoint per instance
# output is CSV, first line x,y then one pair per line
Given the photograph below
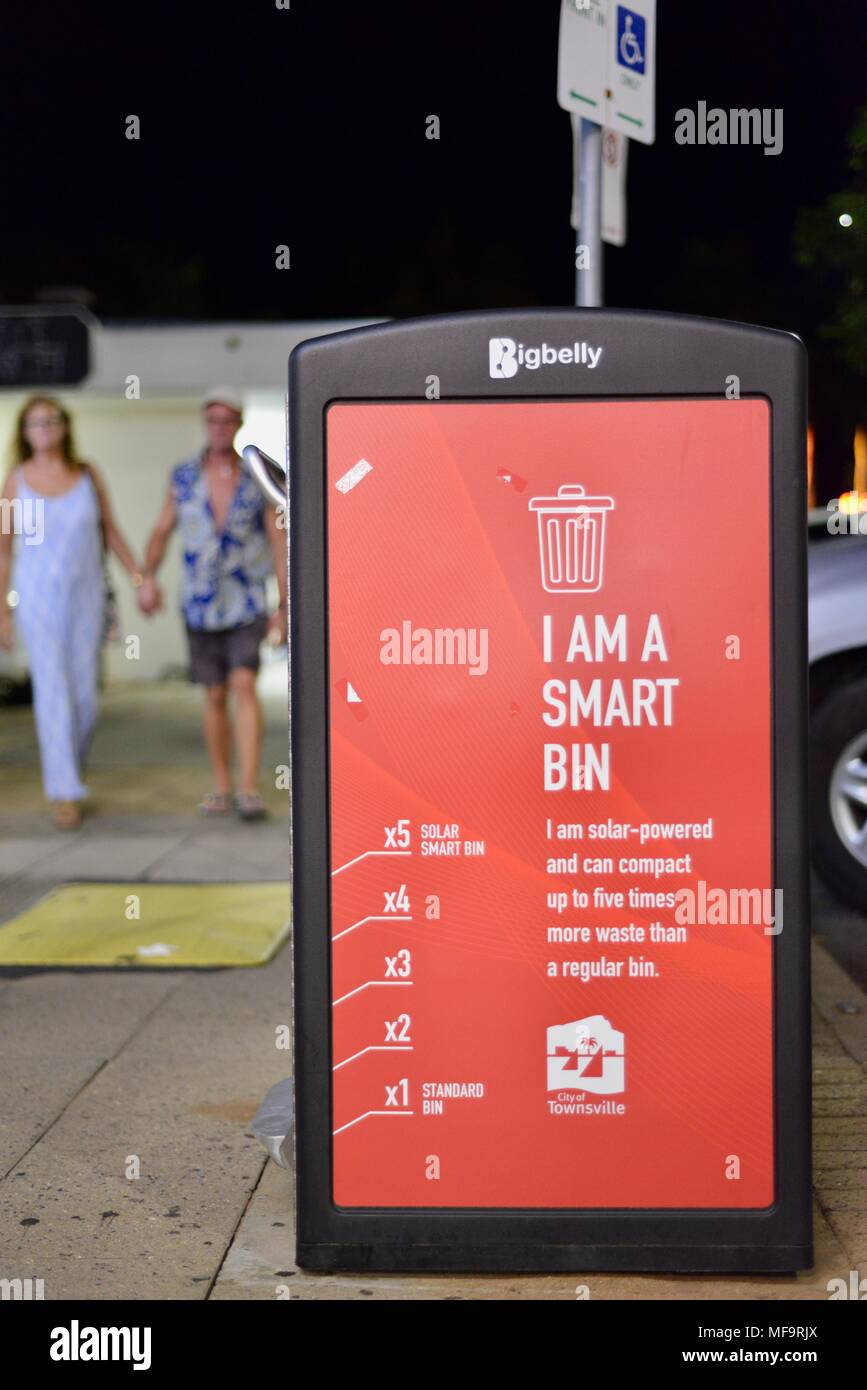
x,y
837,254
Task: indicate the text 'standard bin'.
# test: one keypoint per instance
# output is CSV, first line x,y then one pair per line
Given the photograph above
x,y
549,858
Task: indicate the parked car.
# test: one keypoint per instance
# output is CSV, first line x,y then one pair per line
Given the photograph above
x,y
838,714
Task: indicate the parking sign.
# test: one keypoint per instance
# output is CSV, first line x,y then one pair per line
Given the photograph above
x,y
607,64
632,70
615,153
631,49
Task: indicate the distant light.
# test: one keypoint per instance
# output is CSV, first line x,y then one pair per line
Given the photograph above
x,y
845,219
12,599
854,501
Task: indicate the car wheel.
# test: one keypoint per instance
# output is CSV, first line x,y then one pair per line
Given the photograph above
x,y
838,792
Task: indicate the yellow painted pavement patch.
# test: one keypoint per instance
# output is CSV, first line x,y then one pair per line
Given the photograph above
x,y
179,924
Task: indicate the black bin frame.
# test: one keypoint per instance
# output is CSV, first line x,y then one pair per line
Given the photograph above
x,y
644,355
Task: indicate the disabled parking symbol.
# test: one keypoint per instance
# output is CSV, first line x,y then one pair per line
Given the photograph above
x,y
631,39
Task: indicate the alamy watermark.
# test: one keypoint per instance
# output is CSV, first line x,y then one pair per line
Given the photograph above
x,y
850,518
23,516
77,1343
22,1290
740,126
729,907
440,646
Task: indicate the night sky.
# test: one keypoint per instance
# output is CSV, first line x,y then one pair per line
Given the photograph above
x,y
307,127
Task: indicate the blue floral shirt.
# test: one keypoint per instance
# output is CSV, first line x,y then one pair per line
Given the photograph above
x,y
224,572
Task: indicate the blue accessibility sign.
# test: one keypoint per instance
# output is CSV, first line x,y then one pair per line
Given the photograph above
x,y
631,39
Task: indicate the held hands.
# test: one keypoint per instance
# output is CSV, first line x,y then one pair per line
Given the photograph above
x,y
276,635
150,597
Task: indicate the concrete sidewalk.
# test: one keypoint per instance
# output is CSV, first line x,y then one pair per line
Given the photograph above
x,y
128,1170
255,1263
105,1075
126,1166
147,773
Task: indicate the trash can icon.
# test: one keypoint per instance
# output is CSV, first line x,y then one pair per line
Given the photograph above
x,y
571,539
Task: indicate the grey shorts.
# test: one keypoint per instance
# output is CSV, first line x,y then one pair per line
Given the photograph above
x,y
214,654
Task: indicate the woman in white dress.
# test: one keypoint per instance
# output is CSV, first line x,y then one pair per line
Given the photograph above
x,y
57,509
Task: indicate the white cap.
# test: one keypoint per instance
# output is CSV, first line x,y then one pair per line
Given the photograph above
x,y
224,395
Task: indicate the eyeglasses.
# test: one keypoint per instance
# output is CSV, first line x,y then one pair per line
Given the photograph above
x,y
42,420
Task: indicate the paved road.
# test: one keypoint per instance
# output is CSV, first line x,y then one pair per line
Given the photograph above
x,y
842,931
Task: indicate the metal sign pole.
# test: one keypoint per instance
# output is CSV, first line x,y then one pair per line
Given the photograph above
x,y
588,277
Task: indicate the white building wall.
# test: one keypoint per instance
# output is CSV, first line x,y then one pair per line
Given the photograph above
x,y
135,443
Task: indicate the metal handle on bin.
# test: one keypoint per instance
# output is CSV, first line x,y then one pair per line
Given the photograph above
x,y
270,475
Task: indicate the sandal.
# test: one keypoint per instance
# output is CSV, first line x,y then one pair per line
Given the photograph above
x,y
250,806
215,804
66,815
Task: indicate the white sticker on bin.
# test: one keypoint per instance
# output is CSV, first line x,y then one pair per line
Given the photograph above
x,y
354,476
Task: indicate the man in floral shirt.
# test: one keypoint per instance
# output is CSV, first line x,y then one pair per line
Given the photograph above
x,y
231,544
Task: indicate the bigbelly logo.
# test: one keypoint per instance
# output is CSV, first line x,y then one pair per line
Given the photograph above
x,y
505,356
502,360
586,1055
